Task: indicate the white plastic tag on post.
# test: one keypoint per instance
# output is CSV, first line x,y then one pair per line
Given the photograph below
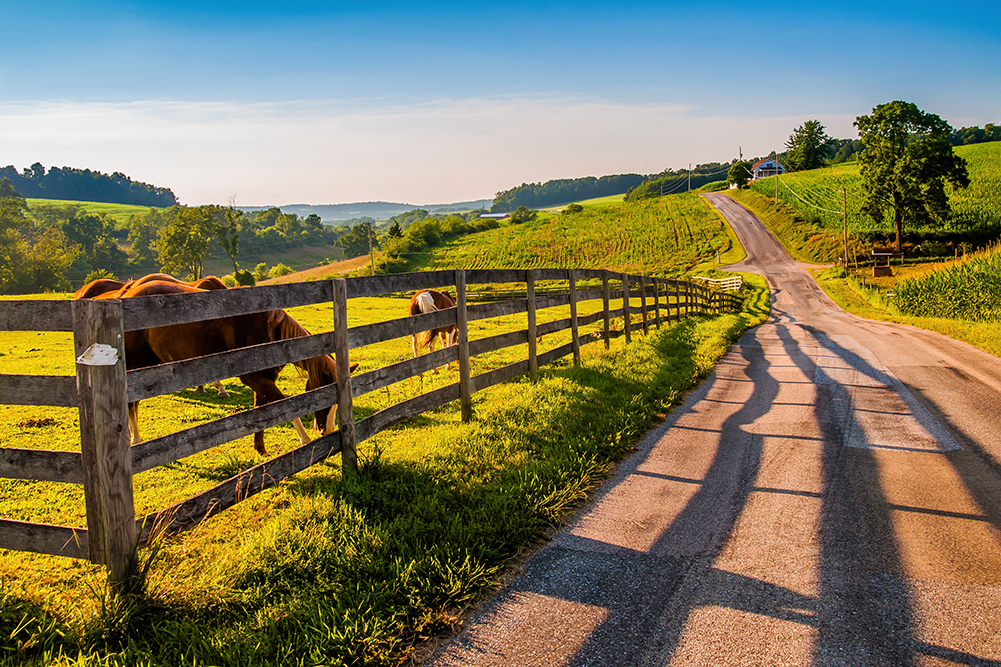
x,y
99,354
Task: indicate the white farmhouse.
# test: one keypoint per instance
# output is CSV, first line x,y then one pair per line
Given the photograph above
x,y
766,167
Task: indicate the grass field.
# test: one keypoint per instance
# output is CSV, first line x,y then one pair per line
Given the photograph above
x,y
356,569
818,193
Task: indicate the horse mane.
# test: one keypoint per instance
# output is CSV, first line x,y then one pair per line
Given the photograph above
x,y
283,326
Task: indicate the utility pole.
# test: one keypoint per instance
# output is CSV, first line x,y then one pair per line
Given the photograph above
x,y
776,160
689,176
371,253
844,194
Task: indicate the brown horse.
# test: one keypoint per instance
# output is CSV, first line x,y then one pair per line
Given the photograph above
x,y
177,342
429,301
106,288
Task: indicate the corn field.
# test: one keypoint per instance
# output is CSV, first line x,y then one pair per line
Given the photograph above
x,y
664,236
969,289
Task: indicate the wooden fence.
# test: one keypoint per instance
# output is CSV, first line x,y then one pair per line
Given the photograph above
x,y
102,388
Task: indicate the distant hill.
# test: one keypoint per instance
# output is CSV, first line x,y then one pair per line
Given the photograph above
x,y
67,183
378,210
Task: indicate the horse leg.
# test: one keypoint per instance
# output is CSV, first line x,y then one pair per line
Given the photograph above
x,y
221,390
134,437
443,337
431,339
303,436
265,391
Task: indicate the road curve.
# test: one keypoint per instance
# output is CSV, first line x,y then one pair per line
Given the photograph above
x,y
831,495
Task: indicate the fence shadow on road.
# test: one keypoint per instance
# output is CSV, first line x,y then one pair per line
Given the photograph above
x,y
631,606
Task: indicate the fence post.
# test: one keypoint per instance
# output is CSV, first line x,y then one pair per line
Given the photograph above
x,y
465,388
643,311
605,298
99,340
533,343
345,404
574,330
625,305
656,302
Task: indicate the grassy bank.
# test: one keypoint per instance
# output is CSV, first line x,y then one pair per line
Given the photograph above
x,y
360,568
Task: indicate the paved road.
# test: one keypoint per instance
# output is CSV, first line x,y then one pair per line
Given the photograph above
x,y
830,496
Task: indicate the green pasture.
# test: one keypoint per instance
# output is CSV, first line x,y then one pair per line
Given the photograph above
x,y
665,236
120,213
339,569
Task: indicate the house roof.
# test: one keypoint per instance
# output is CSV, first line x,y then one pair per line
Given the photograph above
x,y
763,160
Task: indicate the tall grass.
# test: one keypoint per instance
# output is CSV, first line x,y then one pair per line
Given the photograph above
x,y
967,290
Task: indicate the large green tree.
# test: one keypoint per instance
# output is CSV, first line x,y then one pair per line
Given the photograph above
x,y
809,146
184,242
906,164
12,221
739,173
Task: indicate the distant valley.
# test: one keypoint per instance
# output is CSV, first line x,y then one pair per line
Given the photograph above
x,y
378,210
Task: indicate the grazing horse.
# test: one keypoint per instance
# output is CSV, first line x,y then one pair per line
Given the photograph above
x,y
177,342
106,288
429,301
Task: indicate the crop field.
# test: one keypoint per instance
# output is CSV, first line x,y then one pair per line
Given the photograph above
x,y
969,289
666,237
818,193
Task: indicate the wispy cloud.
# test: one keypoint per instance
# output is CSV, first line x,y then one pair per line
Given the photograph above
x,y
332,151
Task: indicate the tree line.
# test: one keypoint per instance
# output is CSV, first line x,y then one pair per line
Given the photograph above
x,y
670,181
53,247
561,191
85,185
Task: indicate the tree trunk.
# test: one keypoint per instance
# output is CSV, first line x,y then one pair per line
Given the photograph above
x,y
898,221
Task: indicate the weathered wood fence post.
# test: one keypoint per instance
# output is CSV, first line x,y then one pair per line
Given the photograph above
x,y
465,388
574,329
99,341
345,404
605,298
533,343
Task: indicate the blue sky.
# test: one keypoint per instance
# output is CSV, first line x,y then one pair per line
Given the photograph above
x,y
327,102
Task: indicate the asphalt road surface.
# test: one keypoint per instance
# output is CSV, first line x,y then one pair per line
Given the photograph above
x,y
831,495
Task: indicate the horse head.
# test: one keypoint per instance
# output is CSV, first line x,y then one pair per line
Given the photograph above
x,y
322,372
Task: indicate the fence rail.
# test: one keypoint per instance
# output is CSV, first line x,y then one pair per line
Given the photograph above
x,y
102,389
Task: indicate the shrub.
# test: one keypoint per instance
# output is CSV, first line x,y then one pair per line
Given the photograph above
x,y
98,275
522,214
244,278
279,270
573,208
